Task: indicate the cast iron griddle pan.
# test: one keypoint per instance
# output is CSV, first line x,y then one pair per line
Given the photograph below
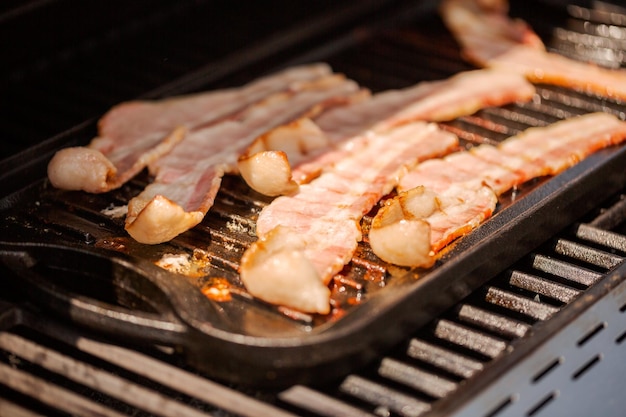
x,y
67,255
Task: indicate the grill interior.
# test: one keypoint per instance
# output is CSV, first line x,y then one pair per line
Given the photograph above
x,y
500,322
423,375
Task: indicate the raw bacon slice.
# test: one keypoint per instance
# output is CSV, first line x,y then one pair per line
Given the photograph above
x,y
435,101
467,183
489,38
322,218
188,178
462,94
134,134
536,152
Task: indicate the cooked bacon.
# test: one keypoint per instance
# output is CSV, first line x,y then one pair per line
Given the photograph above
x,y
489,38
435,101
136,133
568,142
188,178
460,167
461,210
324,215
306,143
467,183
265,164
402,218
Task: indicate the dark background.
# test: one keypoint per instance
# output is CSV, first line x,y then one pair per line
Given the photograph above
x,y
68,61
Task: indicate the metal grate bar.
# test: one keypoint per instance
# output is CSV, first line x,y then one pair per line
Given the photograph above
x,y
444,359
491,321
565,270
604,237
426,382
542,286
383,396
514,302
320,404
8,408
471,339
592,256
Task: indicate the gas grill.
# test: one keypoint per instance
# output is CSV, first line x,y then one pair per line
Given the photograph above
x,y
524,316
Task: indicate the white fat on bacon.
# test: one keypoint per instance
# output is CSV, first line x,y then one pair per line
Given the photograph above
x,y
136,133
280,256
466,184
188,178
323,216
296,153
402,218
490,38
79,168
265,164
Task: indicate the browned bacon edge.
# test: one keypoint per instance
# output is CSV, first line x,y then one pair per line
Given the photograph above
x,y
465,185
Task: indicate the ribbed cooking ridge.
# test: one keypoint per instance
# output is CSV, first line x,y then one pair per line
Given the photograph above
x,y
44,360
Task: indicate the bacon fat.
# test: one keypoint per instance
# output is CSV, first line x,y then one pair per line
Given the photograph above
x,y
326,212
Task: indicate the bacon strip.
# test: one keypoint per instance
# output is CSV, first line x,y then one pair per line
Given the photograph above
x,y
462,94
461,211
467,183
134,134
489,38
322,218
189,177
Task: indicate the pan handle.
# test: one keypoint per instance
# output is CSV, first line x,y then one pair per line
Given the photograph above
x,y
120,295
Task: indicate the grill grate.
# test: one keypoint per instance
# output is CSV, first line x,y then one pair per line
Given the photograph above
x,y
43,360
430,366
438,359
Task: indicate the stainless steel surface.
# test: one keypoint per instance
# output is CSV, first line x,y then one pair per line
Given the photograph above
x,y
579,371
